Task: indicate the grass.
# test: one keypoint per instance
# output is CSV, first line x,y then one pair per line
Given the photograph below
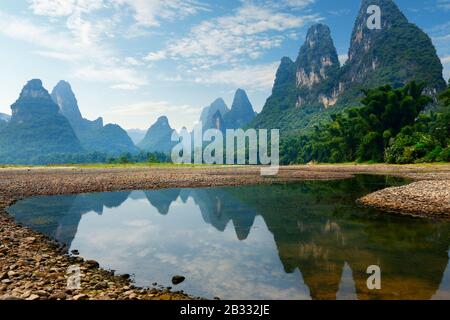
x,y
172,165
112,165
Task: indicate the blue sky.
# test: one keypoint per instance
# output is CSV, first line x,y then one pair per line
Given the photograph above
x,y
131,61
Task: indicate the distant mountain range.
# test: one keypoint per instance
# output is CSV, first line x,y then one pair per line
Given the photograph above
x,y
219,116
215,116
111,139
47,126
316,85
136,135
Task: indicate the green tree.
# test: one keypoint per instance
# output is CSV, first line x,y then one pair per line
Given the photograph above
x,y
364,133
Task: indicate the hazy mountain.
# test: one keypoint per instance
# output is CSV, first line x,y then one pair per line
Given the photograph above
x,y
316,85
36,128
136,135
5,117
241,113
158,137
110,139
212,116
64,97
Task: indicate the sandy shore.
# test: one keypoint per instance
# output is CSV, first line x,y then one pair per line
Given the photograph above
x,y
34,267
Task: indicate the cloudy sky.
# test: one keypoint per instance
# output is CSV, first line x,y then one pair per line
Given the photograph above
x,y
131,61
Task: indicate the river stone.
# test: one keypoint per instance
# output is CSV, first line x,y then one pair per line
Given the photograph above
x,y
80,297
178,279
33,297
101,286
7,297
58,296
92,264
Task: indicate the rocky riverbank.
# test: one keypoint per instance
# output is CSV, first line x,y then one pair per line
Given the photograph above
x,y
422,198
34,267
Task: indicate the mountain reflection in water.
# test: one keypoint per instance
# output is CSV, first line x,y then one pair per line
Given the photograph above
x,y
304,240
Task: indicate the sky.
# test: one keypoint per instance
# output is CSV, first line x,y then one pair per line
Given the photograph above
x,y
131,61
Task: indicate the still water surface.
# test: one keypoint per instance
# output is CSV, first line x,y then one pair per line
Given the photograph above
x,y
305,240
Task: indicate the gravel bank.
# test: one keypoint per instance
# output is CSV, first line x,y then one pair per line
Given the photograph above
x,y
422,198
34,267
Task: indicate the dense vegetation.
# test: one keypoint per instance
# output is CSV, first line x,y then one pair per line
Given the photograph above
x,y
390,127
90,158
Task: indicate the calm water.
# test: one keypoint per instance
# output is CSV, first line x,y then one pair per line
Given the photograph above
x,y
298,241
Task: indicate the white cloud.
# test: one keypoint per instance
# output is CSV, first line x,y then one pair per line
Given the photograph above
x,y
445,60
125,87
246,34
149,13
41,35
81,43
123,78
443,4
155,56
254,77
286,4
87,27
133,61
62,8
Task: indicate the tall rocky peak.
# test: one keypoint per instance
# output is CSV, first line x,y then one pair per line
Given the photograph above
x,y
33,100
110,139
284,96
241,103
364,38
162,123
158,137
64,97
286,73
36,128
210,114
396,54
318,58
241,113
